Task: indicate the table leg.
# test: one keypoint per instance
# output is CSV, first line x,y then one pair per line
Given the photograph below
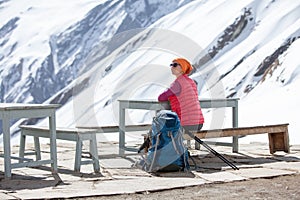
x,y
6,146
78,154
235,139
22,147
53,152
94,152
121,130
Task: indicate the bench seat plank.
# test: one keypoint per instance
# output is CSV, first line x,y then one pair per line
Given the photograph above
x,y
239,131
113,129
277,134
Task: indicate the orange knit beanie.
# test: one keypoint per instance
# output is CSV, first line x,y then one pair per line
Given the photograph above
x,y
185,65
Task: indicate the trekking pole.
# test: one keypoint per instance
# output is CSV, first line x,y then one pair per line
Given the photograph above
x,y
213,151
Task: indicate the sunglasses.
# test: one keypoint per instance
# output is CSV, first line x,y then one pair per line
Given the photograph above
x,y
174,64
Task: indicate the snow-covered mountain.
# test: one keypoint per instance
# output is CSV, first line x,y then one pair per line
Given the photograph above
x,y
86,55
44,44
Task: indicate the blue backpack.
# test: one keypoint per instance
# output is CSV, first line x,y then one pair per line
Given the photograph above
x,y
167,151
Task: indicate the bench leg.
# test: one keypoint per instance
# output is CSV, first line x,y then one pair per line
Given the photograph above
x,y
78,155
22,147
279,142
37,148
235,144
94,153
197,146
188,143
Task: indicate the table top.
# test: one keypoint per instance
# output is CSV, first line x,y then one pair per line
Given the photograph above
x,y
156,101
154,104
26,106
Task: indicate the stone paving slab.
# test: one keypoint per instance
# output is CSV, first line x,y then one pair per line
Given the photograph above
x,y
146,184
127,173
261,172
291,166
118,177
5,196
220,176
116,163
77,189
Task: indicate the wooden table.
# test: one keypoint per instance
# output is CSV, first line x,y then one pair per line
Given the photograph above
x,y
155,105
10,111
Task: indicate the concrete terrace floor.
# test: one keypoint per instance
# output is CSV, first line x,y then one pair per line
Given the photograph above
x,y
117,175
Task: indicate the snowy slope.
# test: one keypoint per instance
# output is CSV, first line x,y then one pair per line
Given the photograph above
x,y
25,44
243,49
45,45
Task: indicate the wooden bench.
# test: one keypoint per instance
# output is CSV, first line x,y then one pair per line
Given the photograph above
x,y
78,135
278,135
70,134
